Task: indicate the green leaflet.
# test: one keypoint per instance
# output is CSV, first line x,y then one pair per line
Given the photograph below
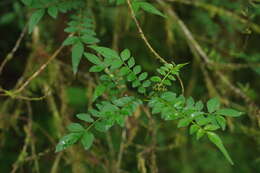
x,y
143,76
148,8
215,139
137,69
87,140
146,84
77,52
229,112
88,39
184,122
213,105
194,128
67,141
155,79
200,133
199,105
131,62
97,68
211,127
35,19
125,54
70,41
99,90
53,11
92,58
75,127
221,121
85,117
106,52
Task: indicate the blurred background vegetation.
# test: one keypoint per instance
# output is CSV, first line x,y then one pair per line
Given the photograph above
x,y
220,40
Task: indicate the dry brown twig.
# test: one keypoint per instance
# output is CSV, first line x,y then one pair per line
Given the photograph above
x,y
33,76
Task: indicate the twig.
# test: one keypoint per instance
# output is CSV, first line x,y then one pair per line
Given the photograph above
x,y
35,74
11,54
142,34
121,150
157,56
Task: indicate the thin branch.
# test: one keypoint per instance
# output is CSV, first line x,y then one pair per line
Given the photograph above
x,y
35,74
157,56
14,93
121,151
16,46
142,34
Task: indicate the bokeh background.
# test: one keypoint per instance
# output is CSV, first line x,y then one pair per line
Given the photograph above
x,y
226,32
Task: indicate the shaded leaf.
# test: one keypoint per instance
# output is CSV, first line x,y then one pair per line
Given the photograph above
x,y
84,117
75,127
87,39
229,112
143,76
92,58
97,68
215,139
67,141
184,122
141,90
213,105
131,77
211,127
131,62
194,128
221,121
124,71
155,79
87,140
35,19
146,83
150,8
137,69
53,11
106,52
70,41
125,54
99,90
77,52
200,134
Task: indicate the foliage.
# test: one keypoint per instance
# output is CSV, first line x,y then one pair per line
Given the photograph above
x,y
123,86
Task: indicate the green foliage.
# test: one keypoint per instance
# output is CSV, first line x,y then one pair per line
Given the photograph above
x,y
82,28
106,115
53,7
121,83
166,103
190,113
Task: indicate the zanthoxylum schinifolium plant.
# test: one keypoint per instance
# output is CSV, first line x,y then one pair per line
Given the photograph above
x,y
117,72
